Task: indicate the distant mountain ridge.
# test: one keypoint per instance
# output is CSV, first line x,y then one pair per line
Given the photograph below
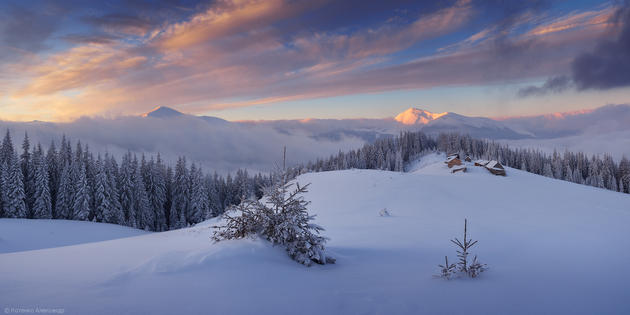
x,y
163,112
413,116
609,118
167,112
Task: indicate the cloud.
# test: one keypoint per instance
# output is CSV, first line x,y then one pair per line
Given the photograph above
x,y
121,23
87,65
605,67
555,84
223,147
236,53
608,65
25,30
91,38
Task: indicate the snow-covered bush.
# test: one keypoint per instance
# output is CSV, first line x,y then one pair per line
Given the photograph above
x,y
473,269
384,213
280,217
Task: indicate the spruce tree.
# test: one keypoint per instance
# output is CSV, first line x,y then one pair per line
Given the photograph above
x,y
81,200
27,174
65,195
14,196
111,171
42,206
3,184
103,209
145,216
126,192
156,192
181,195
54,173
7,150
198,196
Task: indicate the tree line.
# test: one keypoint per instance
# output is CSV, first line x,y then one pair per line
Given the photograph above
x,y
394,153
146,193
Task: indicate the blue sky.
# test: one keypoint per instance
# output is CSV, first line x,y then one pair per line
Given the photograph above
x,y
276,59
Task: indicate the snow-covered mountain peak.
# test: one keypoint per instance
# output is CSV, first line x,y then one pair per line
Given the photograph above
x,y
163,112
413,116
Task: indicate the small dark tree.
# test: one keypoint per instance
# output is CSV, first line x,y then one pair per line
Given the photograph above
x,y
472,270
447,270
462,252
476,268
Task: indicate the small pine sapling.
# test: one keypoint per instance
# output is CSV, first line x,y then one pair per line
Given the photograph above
x,y
462,252
476,268
462,267
447,270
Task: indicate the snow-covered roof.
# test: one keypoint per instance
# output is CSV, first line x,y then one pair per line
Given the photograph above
x,y
482,162
495,166
450,158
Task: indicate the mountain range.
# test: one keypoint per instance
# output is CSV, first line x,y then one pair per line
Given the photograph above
x,y
224,146
609,118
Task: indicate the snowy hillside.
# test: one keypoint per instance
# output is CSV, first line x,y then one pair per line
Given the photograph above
x,y
17,235
552,247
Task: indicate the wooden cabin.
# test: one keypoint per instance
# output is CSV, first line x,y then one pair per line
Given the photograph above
x,y
451,156
495,168
459,168
481,162
468,159
453,162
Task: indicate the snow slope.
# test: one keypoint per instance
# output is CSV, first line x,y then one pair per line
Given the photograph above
x,y
552,247
18,235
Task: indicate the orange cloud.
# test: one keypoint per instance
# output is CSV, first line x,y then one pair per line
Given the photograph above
x,y
574,20
228,18
82,66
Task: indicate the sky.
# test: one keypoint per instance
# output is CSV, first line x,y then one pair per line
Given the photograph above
x,y
277,59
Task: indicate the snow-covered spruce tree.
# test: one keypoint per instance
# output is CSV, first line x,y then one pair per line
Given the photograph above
x,y
14,196
145,216
65,194
104,210
282,218
81,200
155,184
474,268
181,196
6,150
28,175
447,270
3,175
462,252
42,206
198,196
54,173
126,194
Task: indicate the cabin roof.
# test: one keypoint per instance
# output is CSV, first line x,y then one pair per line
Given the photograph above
x,y
494,164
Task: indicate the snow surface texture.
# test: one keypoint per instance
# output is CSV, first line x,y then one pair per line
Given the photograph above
x,y
552,247
17,235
